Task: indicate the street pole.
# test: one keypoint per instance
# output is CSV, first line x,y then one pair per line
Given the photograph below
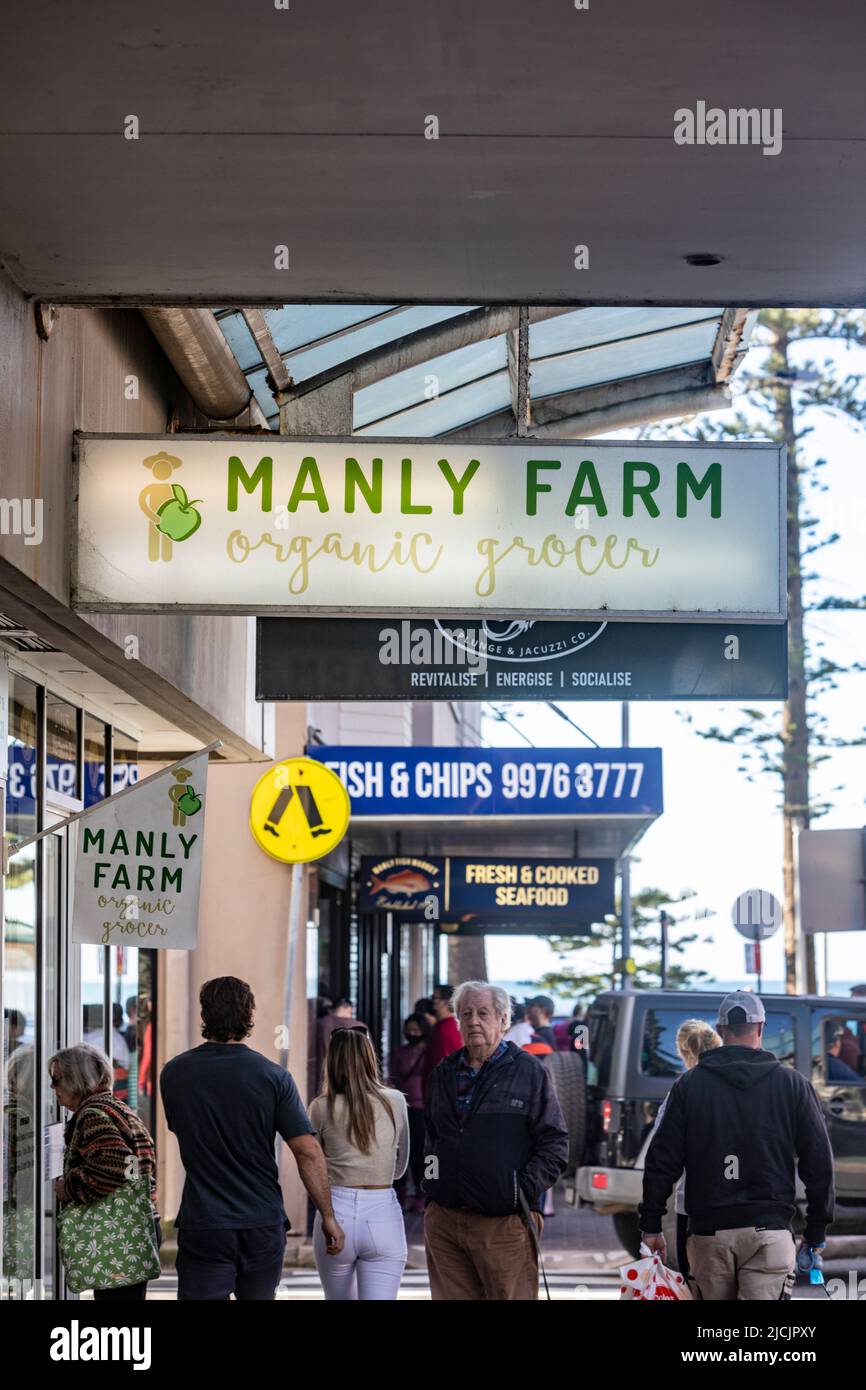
x,y
760,963
663,922
625,877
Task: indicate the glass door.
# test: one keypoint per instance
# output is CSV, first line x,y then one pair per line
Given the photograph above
x,y
20,1041
53,1033
20,1125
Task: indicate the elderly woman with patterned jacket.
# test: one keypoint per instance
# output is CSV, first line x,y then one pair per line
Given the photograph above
x,y
106,1142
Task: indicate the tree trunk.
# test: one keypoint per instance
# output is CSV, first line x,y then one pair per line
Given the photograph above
x,y
467,959
795,731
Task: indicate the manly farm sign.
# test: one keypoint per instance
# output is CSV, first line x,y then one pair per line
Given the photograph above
x,y
138,862
517,528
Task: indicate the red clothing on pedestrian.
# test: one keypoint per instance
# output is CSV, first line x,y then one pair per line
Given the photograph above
x,y
445,1040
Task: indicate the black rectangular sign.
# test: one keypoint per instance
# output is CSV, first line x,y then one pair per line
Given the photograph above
x,y
405,659
411,884
539,895
563,891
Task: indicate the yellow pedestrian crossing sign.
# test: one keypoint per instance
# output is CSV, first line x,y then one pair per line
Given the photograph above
x,y
299,811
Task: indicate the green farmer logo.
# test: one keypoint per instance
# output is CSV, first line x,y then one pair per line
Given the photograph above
x,y
172,516
183,798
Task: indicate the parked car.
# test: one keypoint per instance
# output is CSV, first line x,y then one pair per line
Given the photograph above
x,y
632,1062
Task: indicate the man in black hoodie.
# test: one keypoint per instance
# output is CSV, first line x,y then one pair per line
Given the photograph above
x,y
739,1123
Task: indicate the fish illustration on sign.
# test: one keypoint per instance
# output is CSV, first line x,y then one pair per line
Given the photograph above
x,y
399,884
407,881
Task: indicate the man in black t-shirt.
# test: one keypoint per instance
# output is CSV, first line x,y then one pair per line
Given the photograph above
x,y
226,1104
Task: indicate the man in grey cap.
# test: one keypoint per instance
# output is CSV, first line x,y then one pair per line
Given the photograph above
x,y
739,1123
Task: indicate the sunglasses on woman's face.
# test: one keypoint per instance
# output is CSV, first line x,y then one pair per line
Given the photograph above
x,y
56,1081
352,1028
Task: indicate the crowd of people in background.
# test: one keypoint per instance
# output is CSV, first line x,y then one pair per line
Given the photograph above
x,y
533,1026
131,1046
431,1033
466,1113
355,1147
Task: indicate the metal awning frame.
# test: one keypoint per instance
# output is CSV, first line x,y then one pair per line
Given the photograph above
x,y
683,390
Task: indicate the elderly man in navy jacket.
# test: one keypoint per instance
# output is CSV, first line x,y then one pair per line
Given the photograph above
x,y
496,1141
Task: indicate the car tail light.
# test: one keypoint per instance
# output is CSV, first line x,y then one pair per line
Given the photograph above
x,y
599,1180
606,1111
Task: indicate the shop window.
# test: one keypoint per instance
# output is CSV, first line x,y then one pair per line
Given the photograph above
x,y
20,992
21,787
61,746
132,971
124,762
127,1031
144,1044
132,1020
130,1006
52,964
92,996
94,760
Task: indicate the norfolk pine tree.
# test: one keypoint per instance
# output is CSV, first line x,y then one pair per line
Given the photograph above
x,y
645,936
787,390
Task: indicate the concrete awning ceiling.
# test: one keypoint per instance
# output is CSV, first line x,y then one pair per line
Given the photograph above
x,y
304,127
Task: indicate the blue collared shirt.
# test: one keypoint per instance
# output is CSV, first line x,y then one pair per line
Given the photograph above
x,y
467,1078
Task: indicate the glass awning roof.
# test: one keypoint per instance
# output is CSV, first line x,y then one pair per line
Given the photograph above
x,y
570,351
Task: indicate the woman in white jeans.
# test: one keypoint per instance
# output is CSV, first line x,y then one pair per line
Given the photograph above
x,y
363,1128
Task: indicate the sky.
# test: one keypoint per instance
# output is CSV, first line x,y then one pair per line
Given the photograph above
x,y
721,834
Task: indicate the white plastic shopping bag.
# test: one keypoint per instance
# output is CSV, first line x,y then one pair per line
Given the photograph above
x,y
648,1279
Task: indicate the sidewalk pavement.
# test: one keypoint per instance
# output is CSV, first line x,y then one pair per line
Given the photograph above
x,y
581,1252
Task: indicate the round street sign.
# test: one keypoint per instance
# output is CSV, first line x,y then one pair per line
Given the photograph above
x,y
757,914
299,811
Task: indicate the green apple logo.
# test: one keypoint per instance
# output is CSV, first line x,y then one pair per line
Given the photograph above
x,y
178,517
189,803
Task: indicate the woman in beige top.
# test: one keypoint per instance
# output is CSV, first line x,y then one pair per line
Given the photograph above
x,y
363,1128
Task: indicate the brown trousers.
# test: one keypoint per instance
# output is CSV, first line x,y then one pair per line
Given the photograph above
x,y
743,1263
472,1257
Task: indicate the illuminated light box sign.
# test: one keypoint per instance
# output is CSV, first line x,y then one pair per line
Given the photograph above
x,y
530,659
499,890
507,782
519,528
